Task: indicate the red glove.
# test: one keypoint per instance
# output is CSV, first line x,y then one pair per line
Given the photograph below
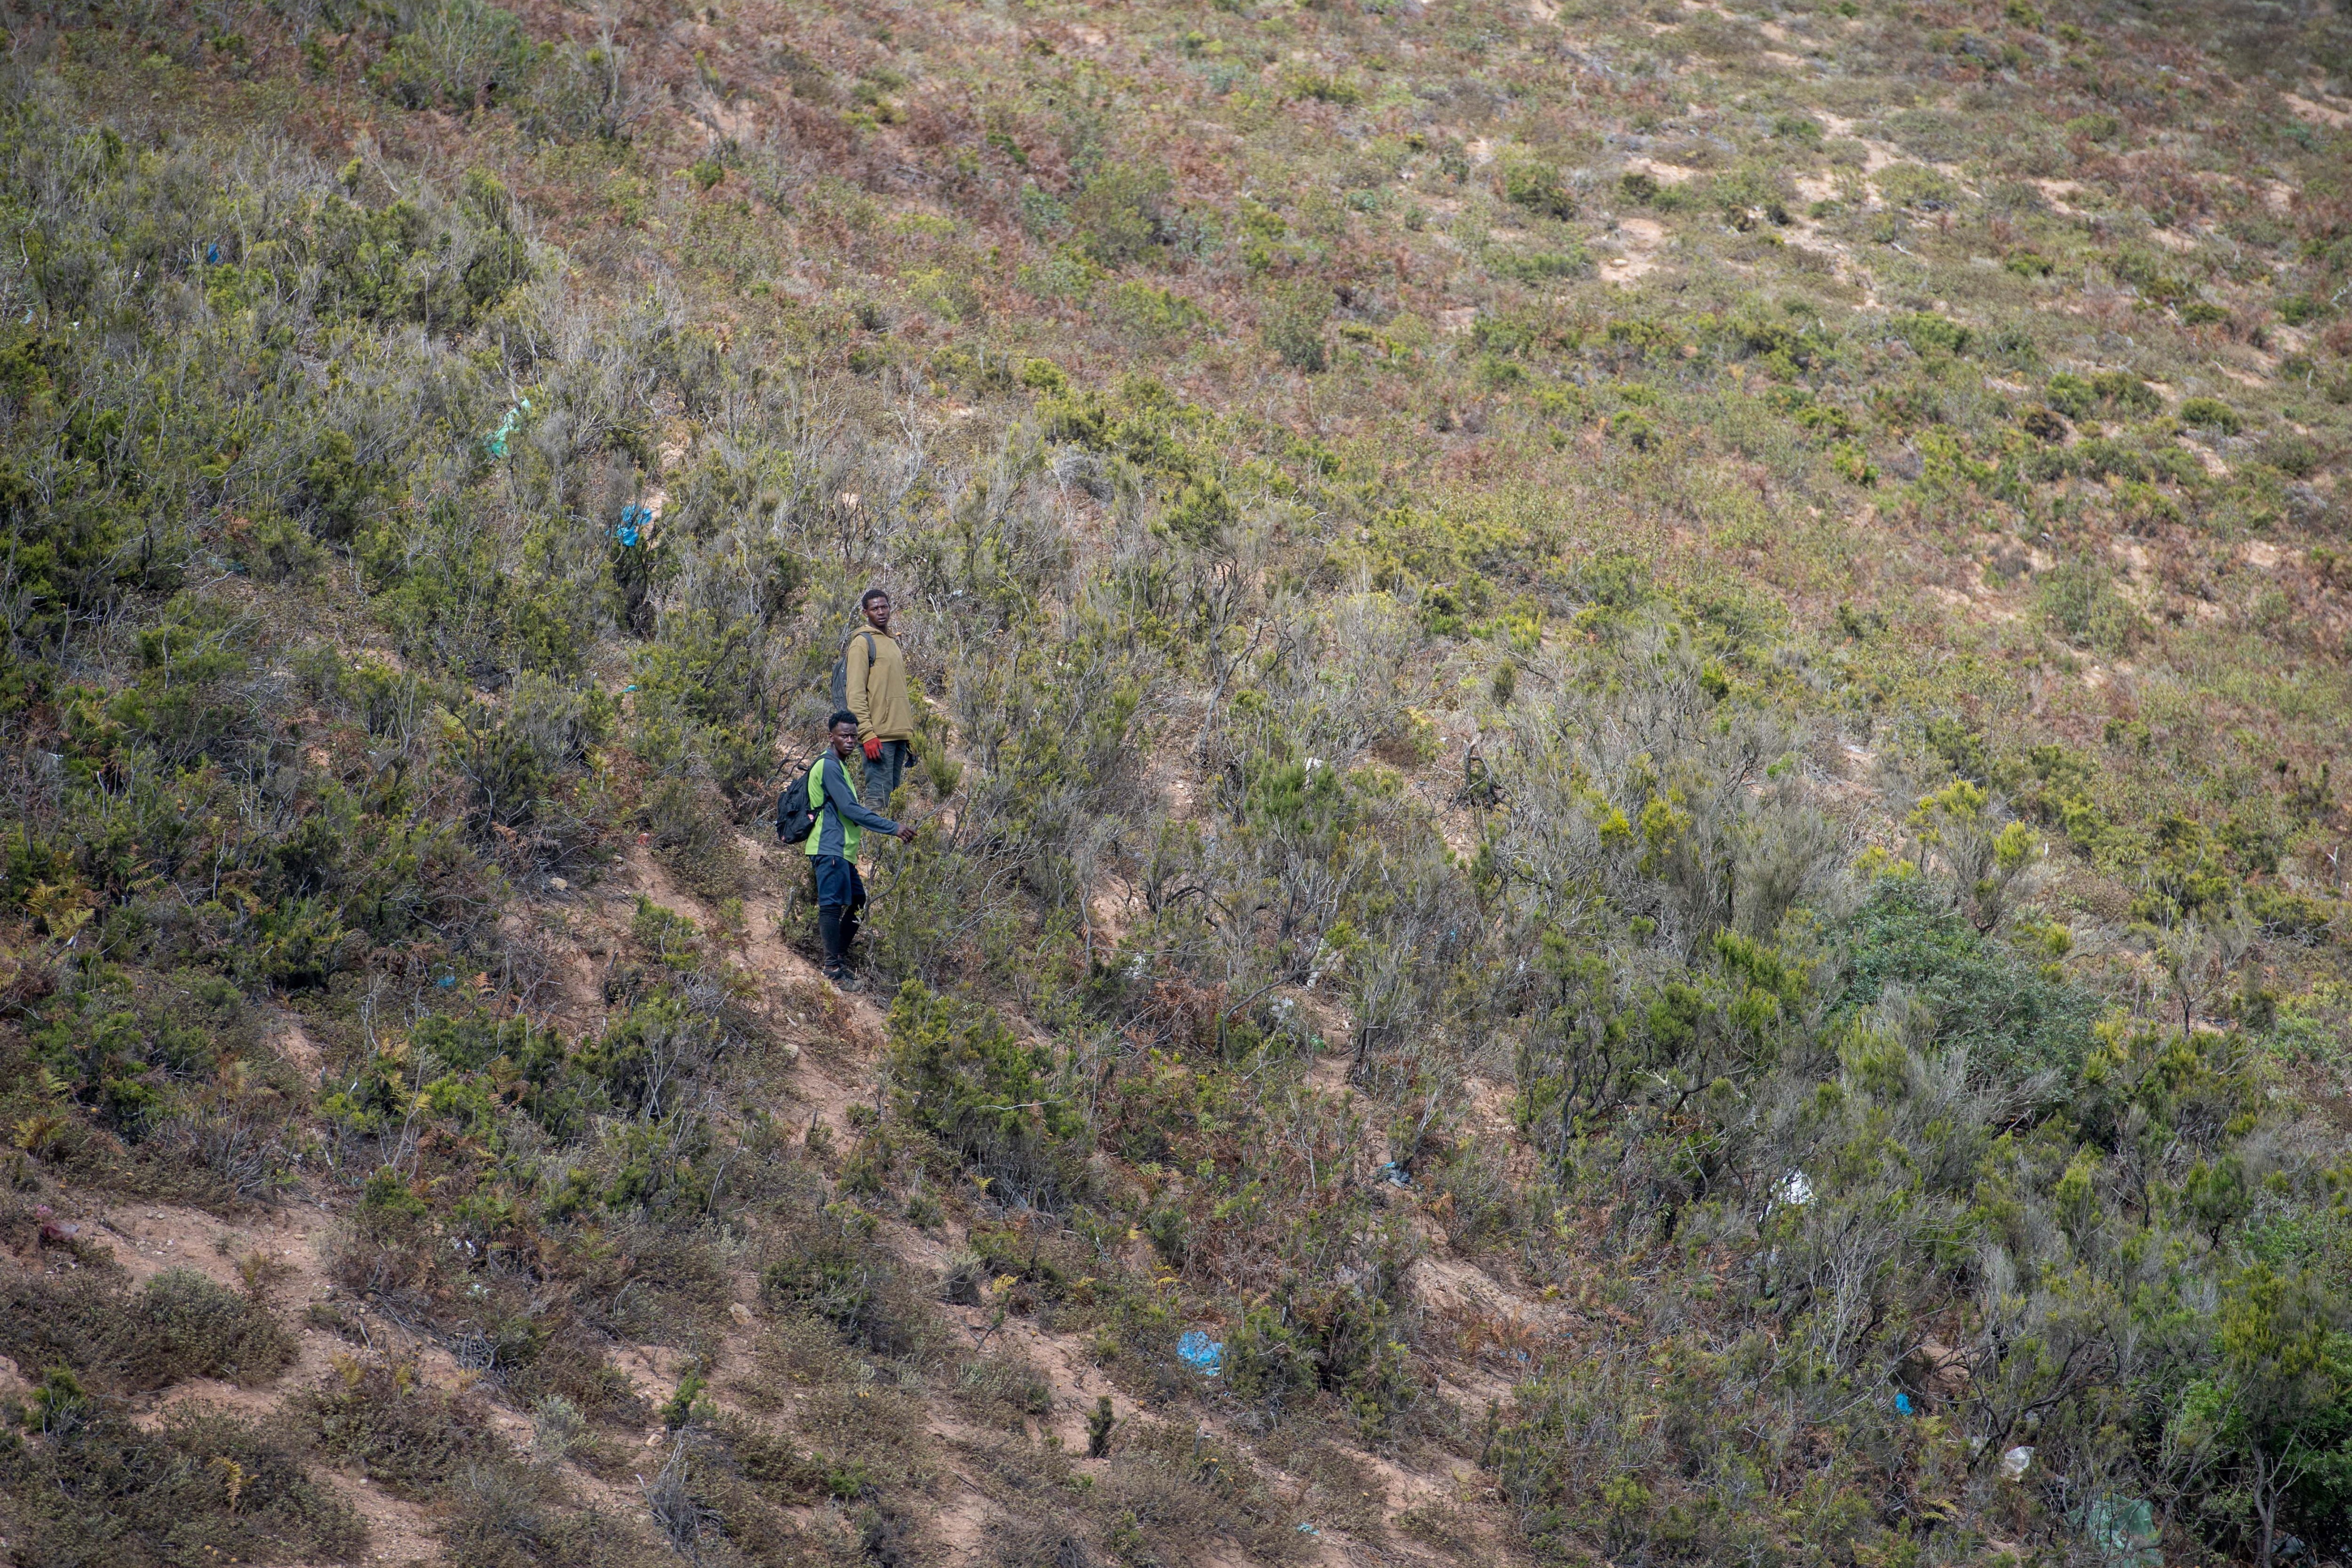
x,y
873,748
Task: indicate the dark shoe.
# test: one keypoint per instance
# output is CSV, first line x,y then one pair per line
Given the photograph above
x,y
842,980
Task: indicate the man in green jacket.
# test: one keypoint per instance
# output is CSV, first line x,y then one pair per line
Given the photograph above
x,y
832,846
876,689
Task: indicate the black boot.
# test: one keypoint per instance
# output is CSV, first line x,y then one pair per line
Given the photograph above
x,y
837,925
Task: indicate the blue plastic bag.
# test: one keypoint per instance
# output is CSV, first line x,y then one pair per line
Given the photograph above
x,y
635,522
1201,1354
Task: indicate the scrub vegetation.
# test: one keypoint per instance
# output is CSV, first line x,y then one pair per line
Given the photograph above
x,y
1631,781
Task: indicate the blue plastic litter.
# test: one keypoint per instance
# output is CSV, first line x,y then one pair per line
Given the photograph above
x,y
212,256
446,982
1309,1530
1394,1174
2125,1531
495,443
1902,1405
635,521
1201,1354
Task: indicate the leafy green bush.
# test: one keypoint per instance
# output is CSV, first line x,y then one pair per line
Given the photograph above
x,y
1001,1106
452,53
1120,213
1539,187
1925,333
178,1326
384,1423
1292,323
203,1487
2212,413
1981,997
2082,604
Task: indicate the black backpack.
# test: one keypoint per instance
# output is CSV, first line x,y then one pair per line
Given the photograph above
x,y
795,817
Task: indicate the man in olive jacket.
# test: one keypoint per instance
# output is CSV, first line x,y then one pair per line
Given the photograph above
x,y
876,689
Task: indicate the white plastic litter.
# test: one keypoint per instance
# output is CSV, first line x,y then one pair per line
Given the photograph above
x,y
1794,1189
2014,1461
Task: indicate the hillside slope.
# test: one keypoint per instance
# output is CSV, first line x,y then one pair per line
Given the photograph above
x,y
1631,732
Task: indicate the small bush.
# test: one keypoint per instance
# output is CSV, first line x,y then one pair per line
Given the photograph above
x,y
2080,602
180,1326
1292,323
1926,333
958,1074
1119,215
1537,187
2212,413
205,1487
384,1423
1916,186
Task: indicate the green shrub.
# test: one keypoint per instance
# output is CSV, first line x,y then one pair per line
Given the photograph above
x,y
386,1424
959,1075
2081,603
1537,187
180,1325
452,53
202,1488
1292,324
1979,994
1120,214
1926,333
2212,413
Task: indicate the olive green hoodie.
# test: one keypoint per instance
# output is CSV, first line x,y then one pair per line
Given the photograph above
x,y
878,691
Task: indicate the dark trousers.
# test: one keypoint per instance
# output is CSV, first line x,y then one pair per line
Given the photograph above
x,y
840,900
884,772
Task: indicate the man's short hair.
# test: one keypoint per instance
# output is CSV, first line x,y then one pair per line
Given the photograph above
x,y
871,595
843,716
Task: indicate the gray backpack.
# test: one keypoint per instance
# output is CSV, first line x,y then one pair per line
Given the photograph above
x,y
841,671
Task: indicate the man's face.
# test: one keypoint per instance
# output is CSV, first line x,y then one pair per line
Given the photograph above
x,y
844,741
877,611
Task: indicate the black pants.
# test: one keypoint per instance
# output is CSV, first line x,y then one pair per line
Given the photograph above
x,y
840,902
